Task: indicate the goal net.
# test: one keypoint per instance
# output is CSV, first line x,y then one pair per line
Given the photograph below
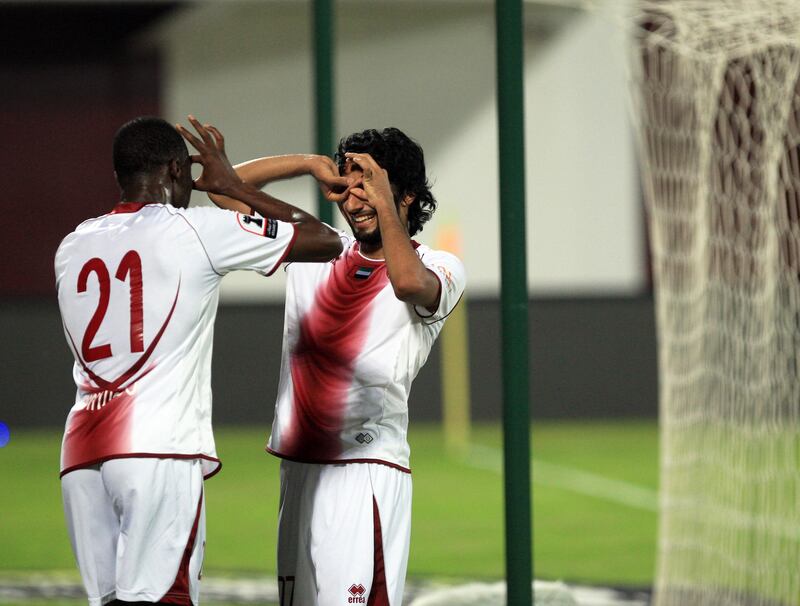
x,y
716,87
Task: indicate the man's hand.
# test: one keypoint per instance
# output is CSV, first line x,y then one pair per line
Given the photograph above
x,y
314,240
218,175
375,181
334,187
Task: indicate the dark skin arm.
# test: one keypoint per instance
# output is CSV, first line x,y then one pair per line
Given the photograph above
x,y
411,280
315,241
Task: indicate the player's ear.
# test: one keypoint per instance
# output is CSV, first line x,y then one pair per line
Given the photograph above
x,y
175,169
408,200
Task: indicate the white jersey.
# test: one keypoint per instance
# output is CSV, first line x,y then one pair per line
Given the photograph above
x,y
351,350
138,291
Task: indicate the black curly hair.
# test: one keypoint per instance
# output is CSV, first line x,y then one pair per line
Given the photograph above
x,y
403,159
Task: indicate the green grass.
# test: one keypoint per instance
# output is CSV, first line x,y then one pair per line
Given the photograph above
x,y
458,508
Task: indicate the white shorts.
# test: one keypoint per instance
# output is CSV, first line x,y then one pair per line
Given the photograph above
x,y
343,534
137,528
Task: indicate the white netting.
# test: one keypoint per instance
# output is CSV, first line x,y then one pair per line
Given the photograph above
x,y
716,85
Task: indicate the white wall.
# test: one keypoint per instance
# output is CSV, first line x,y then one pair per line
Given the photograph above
x,y
587,230
428,68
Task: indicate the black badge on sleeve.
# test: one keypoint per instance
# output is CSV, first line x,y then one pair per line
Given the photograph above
x,y
258,225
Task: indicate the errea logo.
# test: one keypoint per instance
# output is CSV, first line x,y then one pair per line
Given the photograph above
x,y
364,438
357,594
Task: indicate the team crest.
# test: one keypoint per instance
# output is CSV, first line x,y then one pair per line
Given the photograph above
x,y
259,226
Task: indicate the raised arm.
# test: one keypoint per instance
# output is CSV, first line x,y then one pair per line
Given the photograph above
x,y
315,241
261,171
411,280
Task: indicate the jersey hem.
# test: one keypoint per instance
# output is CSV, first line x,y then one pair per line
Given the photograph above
x,y
103,599
286,251
176,597
146,455
447,315
136,596
336,461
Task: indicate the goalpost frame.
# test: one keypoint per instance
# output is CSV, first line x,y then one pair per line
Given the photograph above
x,y
323,41
514,301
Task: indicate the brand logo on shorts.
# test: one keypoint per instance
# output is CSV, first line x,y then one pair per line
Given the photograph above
x,y
364,438
357,594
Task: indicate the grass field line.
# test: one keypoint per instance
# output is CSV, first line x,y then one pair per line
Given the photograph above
x,y
570,478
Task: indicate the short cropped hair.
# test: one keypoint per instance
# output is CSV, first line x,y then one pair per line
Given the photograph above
x,y
145,144
403,159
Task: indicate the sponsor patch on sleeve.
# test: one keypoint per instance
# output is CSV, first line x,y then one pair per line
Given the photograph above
x,y
260,226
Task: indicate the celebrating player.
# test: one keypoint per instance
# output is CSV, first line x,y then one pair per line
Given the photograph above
x,y
138,290
356,332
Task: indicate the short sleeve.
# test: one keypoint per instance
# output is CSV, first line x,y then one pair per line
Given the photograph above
x,y
235,241
450,271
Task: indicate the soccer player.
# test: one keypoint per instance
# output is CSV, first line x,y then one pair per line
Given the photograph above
x,y
357,330
138,290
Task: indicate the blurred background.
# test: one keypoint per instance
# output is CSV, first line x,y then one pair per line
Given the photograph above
x,y
74,73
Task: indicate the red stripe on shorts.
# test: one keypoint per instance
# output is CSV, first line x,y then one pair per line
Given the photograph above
x,y
179,592
378,595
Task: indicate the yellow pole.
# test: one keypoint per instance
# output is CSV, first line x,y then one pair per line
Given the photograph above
x,y
455,362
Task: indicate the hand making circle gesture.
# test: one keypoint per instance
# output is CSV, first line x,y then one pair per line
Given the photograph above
x,y
334,187
218,175
375,180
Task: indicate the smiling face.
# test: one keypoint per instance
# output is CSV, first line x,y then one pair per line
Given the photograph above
x,y
361,216
404,161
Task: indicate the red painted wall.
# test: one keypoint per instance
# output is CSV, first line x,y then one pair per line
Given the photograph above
x,y
57,122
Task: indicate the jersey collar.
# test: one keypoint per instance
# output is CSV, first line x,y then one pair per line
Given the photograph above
x,y
357,249
128,207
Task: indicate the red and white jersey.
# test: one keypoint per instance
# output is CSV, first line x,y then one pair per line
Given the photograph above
x,y
351,350
138,291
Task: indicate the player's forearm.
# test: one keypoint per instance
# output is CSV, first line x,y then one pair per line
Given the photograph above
x,y
265,170
314,240
315,243
230,203
410,279
266,205
261,171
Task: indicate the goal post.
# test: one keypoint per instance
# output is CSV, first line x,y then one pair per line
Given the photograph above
x,y
716,88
